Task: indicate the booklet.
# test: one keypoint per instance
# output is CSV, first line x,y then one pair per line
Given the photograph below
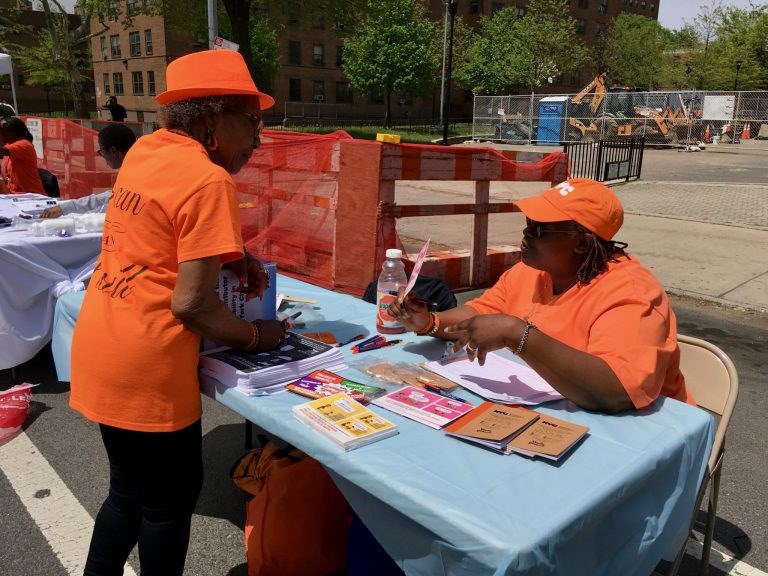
x,y
325,383
430,408
548,437
492,425
501,379
344,421
251,370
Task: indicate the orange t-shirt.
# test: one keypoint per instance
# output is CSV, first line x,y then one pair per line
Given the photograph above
x,y
20,167
134,365
622,316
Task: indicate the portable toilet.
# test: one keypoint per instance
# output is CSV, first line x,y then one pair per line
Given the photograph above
x,y
551,119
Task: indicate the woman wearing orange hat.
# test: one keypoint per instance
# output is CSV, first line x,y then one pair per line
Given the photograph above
x,y
588,318
171,222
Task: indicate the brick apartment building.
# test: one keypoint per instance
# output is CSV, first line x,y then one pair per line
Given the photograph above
x,y
130,63
35,99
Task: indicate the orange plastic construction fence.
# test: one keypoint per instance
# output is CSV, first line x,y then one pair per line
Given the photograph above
x,y
313,203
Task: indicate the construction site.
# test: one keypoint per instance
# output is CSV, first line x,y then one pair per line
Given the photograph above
x,y
600,112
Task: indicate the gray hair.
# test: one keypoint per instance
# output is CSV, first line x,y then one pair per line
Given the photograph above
x,y
184,114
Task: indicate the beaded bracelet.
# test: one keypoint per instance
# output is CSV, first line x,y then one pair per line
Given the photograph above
x,y
255,337
524,339
428,326
435,324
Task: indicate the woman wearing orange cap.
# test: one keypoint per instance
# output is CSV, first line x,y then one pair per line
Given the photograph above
x,y
171,222
588,318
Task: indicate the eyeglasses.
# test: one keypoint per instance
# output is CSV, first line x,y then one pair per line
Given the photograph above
x,y
537,229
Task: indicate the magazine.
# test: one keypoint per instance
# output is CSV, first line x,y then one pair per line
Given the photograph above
x,y
434,409
325,383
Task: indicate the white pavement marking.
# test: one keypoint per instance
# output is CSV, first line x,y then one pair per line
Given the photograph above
x,y
723,562
61,518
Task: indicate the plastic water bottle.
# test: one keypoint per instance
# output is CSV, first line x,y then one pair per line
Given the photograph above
x,y
392,278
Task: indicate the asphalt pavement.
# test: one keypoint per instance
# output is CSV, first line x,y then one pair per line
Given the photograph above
x,y
698,219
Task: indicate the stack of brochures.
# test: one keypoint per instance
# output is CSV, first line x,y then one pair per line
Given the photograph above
x,y
434,409
508,429
325,383
344,421
256,373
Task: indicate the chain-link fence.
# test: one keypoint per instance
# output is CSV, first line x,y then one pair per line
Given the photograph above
x,y
662,118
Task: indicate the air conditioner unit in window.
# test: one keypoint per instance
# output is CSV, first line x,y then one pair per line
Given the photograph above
x,y
319,97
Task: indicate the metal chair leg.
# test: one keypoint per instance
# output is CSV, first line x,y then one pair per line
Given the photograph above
x,y
709,530
248,434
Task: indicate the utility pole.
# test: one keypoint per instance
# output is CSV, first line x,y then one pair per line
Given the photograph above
x,y
451,5
213,23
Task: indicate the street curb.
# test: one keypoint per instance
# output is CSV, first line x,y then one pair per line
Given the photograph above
x,y
730,304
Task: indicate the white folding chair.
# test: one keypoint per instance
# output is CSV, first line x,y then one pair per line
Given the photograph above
x,y
712,379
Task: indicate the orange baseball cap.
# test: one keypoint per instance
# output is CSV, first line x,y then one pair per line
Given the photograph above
x,y
210,73
583,200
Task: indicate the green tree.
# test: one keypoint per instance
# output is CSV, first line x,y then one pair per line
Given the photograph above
x,y
634,50
392,52
513,53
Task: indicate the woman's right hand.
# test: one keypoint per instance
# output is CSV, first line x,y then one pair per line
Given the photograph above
x,y
52,212
412,312
271,333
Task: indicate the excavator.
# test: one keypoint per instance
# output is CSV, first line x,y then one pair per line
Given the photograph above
x,y
592,115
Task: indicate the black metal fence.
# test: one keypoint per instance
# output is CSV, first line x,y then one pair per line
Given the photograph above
x,y
606,160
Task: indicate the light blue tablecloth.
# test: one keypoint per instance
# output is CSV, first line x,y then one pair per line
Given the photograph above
x,y
617,504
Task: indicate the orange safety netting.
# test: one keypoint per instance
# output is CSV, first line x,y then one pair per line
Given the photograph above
x,y
300,193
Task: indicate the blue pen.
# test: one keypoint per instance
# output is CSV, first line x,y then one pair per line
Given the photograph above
x,y
442,392
370,340
350,340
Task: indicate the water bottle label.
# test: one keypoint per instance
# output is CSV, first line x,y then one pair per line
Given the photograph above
x,y
383,316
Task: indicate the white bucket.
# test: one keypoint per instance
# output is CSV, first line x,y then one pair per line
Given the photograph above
x,y
715,140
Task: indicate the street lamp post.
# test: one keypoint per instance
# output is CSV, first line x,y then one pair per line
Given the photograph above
x,y
451,5
736,80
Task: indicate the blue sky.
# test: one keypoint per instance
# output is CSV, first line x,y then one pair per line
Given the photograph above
x,y
674,14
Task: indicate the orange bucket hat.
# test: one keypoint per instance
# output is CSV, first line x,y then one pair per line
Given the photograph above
x,y
585,201
210,73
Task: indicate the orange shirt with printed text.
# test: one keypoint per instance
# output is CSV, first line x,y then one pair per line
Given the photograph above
x,y
623,316
134,365
20,167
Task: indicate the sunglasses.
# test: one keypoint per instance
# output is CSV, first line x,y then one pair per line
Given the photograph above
x,y
537,229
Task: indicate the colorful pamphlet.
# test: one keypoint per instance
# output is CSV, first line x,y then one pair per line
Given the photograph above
x,y
492,425
325,383
344,420
434,409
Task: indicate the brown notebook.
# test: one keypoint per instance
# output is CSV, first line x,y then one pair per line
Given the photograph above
x,y
492,425
548,437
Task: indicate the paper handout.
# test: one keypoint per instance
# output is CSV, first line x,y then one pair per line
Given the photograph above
x,y
500,379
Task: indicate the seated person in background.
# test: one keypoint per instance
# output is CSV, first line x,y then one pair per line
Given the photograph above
x,y
18,159
114,141
588,318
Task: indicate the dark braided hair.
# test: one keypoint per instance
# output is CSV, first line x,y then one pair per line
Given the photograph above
x,y
600,253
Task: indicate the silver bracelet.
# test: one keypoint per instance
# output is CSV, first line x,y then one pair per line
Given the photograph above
x,y
524,339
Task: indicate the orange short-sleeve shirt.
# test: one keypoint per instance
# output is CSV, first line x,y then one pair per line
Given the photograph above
x,y
20,167
623,316
134,365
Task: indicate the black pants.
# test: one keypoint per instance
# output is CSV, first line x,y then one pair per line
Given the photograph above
x,y
154,481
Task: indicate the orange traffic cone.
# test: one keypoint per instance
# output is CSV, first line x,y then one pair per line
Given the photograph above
x,y
707,137
745,132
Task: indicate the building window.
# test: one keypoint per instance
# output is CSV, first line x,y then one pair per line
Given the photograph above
x,y
520,11
293,12
653,7
584,4
603,8
137,79
318,23
599,28
131,4
117,81
318,55
148,42
495,7
106,83
339,56
104,53
474,6
581,26
294,53
151,90
134,43
294,90
575,78
114,42
318,91
114,10
343,93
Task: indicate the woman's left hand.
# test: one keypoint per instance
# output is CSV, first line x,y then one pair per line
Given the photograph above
x,y
484,333
254,278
